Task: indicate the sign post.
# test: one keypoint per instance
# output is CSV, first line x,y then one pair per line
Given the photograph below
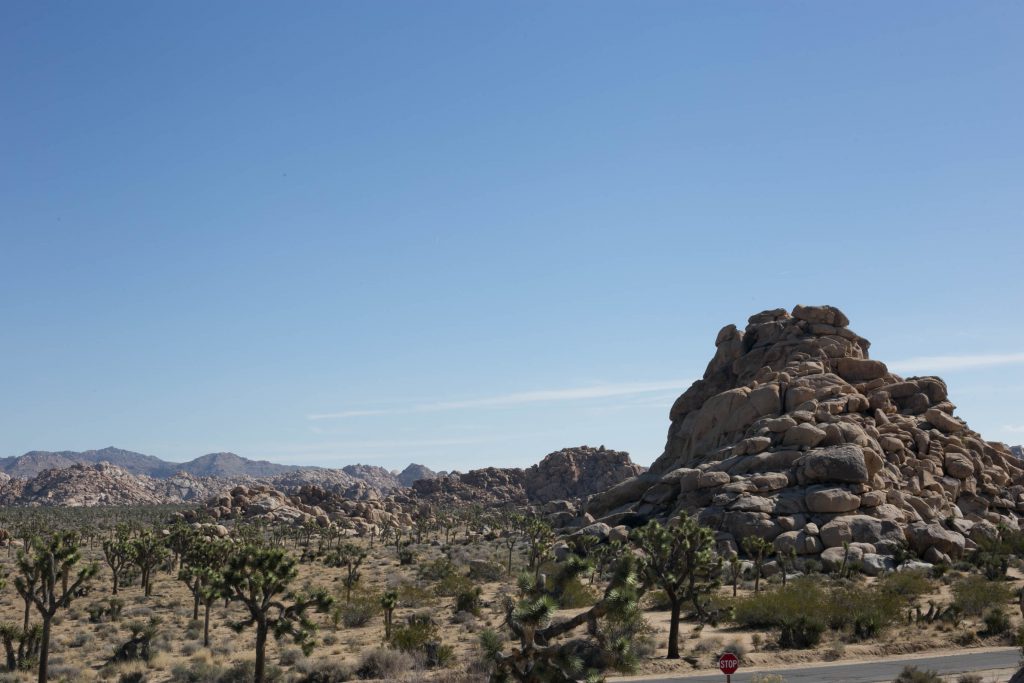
x,y
727,664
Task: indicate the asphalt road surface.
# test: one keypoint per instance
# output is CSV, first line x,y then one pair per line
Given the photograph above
x,y
882,671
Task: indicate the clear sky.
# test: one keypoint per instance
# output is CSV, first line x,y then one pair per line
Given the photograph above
x,y
472,233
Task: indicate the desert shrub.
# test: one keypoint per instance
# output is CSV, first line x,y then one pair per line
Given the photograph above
x,y
406,556
657,600
737,648
970,678
972,595
486,571
359,612
796,610
412,636
766,609
194,629
575,594
80,639
133,677
997,622
245,671
289,656
385,663
910,584
866,613
198,671
438,655
411,596
468,601
452,585
911,674
438,570
327,671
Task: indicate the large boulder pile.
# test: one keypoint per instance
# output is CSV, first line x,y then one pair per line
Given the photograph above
x,y
85,486
577,473
414,473
795,435
309,504
486,486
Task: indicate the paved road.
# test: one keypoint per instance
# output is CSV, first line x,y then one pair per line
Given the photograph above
x,y
883,671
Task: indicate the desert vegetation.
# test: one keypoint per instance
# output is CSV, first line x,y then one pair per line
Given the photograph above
x,y
470,594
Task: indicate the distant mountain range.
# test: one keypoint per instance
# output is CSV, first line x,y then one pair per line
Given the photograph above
x,y
222,465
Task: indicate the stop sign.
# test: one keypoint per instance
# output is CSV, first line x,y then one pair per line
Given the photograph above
x,y
728,663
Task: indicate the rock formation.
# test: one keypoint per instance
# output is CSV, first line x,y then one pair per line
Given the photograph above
x,y
794,434
102,484
577,473
414,473
486,486
1018,451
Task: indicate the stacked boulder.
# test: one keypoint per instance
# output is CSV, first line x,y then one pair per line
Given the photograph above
x,y
795,435
577,473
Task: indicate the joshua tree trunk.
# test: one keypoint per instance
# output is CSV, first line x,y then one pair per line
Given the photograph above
x,y
206,626
44,649
261,650
673,629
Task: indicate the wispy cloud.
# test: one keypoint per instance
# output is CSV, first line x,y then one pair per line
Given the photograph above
x,y
347,413
960,362
1013,428
517,399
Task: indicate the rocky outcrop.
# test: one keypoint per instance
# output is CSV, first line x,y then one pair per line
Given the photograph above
x,y
1018,451
309,505
577,473
377,477
414,473
794,434
486,486
102,484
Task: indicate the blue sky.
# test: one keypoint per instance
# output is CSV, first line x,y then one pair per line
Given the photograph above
x,y
472,233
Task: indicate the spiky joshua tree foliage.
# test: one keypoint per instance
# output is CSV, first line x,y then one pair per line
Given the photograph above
x,y
260,579
350,556
680,559
49,579
536,657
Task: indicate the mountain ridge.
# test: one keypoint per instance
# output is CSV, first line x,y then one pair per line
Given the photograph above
x,y
220,464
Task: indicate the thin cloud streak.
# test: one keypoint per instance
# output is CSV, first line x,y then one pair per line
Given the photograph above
x,y
963,362
1017,429
519,398
347,413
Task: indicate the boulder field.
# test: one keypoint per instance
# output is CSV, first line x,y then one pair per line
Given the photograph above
x,y
795,435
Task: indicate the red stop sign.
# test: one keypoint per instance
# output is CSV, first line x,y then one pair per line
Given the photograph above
x,y
728,663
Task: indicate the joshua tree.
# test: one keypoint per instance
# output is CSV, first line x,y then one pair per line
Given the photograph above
x,y
118,553
202,565
148,551
512,530
758,549
735,569
389,601
21,646
46,579
680,560
259,578
536,658
540,537
181,538
349,556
